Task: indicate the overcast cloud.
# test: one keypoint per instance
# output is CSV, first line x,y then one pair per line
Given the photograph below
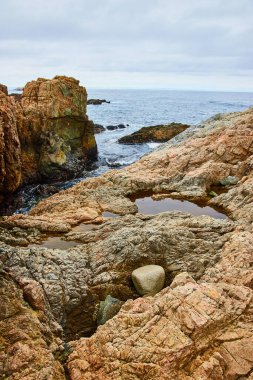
x,y
175,44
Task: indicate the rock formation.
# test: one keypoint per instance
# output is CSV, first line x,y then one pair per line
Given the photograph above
x,y
157,133
97,102
45,134
200,325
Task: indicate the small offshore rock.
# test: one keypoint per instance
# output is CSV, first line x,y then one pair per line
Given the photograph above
x,y
107,309
97,102
98,128
148,280
156,133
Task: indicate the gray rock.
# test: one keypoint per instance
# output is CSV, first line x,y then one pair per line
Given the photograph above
x,y
107,309
229,181
148,280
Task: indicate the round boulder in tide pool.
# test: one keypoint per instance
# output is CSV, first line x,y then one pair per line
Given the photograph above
x,y
148,280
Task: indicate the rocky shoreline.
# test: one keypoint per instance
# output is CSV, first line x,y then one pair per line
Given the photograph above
x,y
198,327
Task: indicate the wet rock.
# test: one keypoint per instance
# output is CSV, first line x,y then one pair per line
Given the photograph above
x,y
148,280
157,133
28,343
98,128
97,101
108,309
115,127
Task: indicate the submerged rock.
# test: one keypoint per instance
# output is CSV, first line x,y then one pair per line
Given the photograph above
x,y
115,127
157,133
148,280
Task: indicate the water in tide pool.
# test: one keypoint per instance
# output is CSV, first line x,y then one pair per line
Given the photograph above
x,y
138,108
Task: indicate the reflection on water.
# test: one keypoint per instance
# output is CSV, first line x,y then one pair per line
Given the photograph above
x,y
108,214
149,206
56,242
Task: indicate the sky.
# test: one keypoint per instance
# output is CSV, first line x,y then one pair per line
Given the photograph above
x,y
147,44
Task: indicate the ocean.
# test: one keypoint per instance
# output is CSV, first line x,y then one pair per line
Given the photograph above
x,y
139,108
136,109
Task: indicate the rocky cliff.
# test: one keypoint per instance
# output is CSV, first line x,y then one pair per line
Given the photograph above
x,y
200,325
45,133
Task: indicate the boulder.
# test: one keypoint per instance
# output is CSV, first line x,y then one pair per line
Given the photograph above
x,y
114,127
98,128
157,133
148,280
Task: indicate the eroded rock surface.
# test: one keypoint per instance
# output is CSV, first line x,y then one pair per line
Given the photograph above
x,y
28,347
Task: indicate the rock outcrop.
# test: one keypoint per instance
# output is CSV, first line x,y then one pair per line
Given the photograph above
x,y
28,347
156,133
46,134
200,325
97,102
